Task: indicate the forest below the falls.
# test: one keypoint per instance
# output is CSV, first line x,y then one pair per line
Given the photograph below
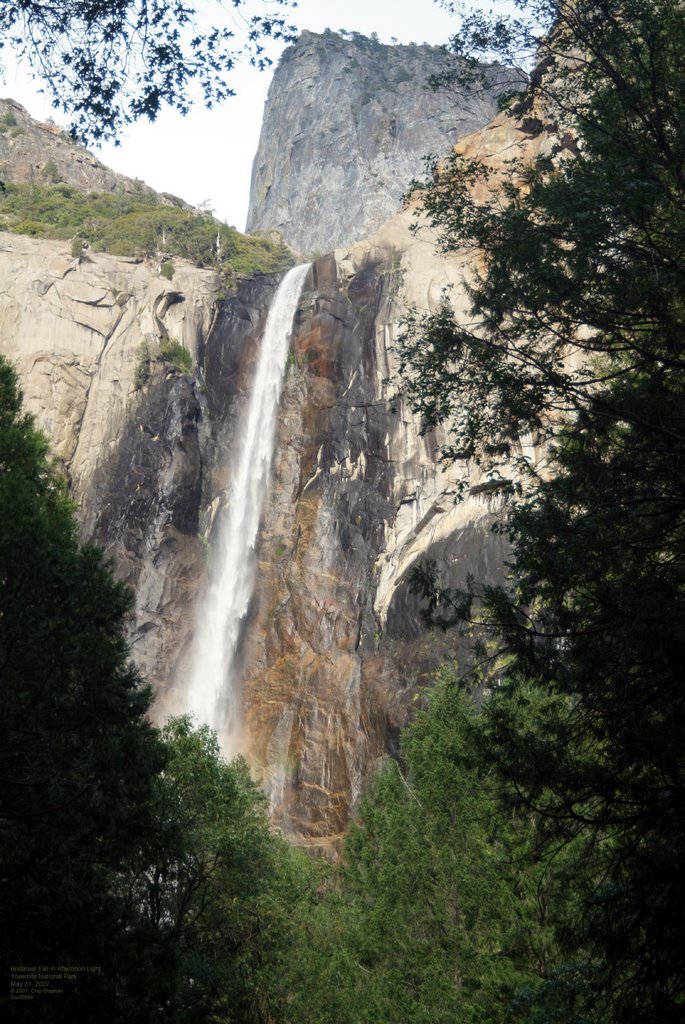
x,y
521,858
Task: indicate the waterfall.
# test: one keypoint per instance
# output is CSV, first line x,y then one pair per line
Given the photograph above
x,y
213,693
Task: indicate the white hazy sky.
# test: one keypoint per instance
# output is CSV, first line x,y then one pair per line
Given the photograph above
x,y
206,157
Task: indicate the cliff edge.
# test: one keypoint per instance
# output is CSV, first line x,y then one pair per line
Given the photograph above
x,y
347,124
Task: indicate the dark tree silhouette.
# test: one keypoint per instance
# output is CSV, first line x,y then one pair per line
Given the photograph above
x,y
106,63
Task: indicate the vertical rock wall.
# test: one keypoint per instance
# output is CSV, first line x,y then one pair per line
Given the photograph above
x,y
347,124
332,651
126,427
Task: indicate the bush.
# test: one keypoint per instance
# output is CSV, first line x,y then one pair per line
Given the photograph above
x,y
143,368
136,224
173,352
7,120
51,172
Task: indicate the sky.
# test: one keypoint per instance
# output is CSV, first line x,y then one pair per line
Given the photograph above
x,y
206,157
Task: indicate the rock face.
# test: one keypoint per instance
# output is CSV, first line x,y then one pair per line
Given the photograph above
x,y
332,649
44,154
79,332
347,124
334,652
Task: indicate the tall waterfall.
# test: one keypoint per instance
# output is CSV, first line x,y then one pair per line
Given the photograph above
x,y
213,693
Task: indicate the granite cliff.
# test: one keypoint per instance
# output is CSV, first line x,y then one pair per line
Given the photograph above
x,y
347,124
78,331
44,154
332,651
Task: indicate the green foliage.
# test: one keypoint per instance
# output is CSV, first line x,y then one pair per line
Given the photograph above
x,y
7,121
147,857
143,366
110,64
506,100
136,224
167,269
174,352
221,887
442,911
580,314
51,172
170,350
370,43
78,756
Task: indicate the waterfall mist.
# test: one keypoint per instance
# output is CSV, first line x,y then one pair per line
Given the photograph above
x,y
213,690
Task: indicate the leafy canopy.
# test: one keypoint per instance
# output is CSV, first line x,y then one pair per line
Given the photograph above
x,y
109,62
218,887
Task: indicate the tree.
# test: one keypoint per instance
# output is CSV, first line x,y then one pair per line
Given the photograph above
x,y
441,911
111,62
143,856
218,885
579,319
78,756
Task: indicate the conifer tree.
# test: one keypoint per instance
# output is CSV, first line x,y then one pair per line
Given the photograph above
x,y
579,345
77,754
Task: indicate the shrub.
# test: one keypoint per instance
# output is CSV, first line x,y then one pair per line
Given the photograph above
x,y
51,172
143,368
173,352
7,120
137,224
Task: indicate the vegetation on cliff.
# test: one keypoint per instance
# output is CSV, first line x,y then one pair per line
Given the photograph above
x,y
136,224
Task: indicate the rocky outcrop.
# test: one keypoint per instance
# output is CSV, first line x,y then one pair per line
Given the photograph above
x,y
347,124
332,650
44,154
84,333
